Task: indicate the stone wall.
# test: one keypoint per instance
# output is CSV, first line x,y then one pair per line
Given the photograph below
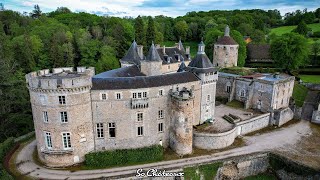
x,y
253,124
282,116
120,112
75,87
225,55
214,141
181,129
221,140
241,167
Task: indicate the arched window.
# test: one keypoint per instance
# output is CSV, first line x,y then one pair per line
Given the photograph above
x,y
228,87
242,93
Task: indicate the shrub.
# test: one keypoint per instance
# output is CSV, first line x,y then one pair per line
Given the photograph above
x,y
124,157
4,149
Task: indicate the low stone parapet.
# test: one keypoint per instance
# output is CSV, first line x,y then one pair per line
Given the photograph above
x,y
214,141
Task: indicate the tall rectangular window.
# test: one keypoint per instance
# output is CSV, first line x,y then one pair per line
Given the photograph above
x,y
140,131
160,127
144,94
208,98
66,139
100,133
103,96
160,92
62,99
139,116
134,95
45,116
64,117
160,114
112,130
139,95
48,140
118,95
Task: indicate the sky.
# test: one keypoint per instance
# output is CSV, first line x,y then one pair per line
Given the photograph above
x,y
171,8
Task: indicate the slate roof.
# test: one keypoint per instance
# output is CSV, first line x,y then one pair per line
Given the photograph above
x,y
130,71
172,52
258,51
112,83
226,40
182,67
153,54
132,55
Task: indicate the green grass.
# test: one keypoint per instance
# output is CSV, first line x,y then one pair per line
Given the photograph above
x,y
261,177
208,171
287,29
235,104
193,46
310,78
299,94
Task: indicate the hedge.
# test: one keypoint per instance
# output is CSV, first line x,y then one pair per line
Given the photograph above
x,y
124,157
4,149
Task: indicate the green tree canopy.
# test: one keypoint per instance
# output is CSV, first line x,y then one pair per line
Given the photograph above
x,y
242,51
181,30
290,51
302,28
140,34
210,38
151,31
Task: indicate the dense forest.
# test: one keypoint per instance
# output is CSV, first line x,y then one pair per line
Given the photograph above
x,y
36,40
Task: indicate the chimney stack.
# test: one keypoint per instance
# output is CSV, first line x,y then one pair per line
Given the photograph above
x,y
164,50
188,50
140,51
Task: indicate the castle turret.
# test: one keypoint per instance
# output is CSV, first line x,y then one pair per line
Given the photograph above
x,y
181,127
208,74
61,108
133,56
151,66
225,52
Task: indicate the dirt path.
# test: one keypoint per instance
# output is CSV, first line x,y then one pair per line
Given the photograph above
x,y
277,140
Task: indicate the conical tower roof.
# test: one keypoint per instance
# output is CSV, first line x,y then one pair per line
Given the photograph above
x,y
132,55
182,67
180,46
201,63
153,54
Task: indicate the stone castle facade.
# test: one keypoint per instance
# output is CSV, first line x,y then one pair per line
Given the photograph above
x,y
141,104
152,99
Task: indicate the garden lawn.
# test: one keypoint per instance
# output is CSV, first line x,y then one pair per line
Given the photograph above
x,y
310,78
286,29
299,94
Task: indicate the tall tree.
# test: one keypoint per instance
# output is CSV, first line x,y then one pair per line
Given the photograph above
x,y
210,38
181,30
290,51
242,51
140,34
302,28
36,13
151,31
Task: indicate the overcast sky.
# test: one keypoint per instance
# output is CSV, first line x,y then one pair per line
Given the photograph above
x,y
171,8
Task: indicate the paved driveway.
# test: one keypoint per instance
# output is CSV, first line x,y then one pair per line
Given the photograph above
x,y
275,140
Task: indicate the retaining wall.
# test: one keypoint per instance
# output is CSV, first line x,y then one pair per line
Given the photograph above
x,y
253,124
283,116
214,141
221,140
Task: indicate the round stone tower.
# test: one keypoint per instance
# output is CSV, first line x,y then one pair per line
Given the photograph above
x,y
225,52
61,108
181,129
